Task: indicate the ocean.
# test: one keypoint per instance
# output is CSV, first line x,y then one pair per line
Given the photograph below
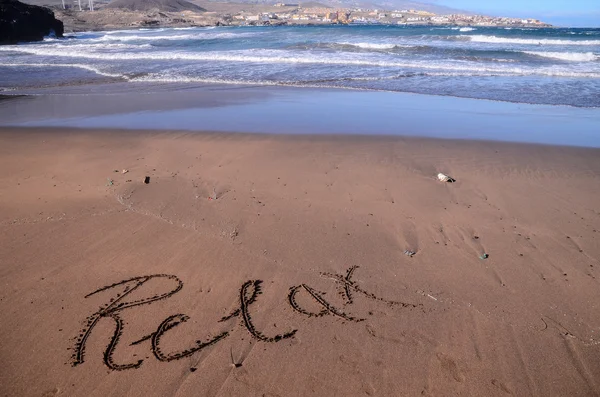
x,y
523,65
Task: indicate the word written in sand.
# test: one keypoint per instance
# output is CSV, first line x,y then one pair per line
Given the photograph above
x,y
123,299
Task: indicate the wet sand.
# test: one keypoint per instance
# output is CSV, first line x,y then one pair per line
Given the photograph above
x,y
299,111
269,265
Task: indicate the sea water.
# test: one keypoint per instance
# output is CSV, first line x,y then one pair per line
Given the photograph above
x,y
523,65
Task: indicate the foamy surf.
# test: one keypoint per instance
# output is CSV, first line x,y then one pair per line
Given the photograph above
x,y
540,41
179,37
557,66
287,57
566,56
66,65
376,46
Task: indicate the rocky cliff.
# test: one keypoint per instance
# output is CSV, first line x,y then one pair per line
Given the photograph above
x,y
23,22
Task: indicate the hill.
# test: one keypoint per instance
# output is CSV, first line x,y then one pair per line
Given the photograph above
x,y
380,4
162,5
233,5
314,4
417,5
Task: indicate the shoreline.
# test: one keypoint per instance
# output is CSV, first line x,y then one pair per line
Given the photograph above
x,y
293,137
220,24
213,15
275,109
33,91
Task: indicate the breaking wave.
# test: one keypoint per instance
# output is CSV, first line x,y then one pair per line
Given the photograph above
x,y
191,36
437,60
285,57
66,65
566,56
376,46
510,40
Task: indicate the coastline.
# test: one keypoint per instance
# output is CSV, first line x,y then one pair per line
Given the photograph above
x,y
96,28
221,210
220,14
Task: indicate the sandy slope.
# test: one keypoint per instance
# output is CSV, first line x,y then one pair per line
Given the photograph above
x,y
293,218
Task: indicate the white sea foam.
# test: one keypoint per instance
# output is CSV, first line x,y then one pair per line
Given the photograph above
x,y
566,56
418,74
285,57
464,28
377,46
178,78
114,36
124,31
510,40
143,37
189,36
374,46
66,65
93,46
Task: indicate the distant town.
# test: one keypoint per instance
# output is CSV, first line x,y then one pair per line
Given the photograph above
x,y
81,15
296,14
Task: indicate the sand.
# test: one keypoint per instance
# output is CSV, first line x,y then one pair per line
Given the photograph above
x,y
274,266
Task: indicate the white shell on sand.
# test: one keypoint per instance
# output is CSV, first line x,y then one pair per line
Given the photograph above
x,y
444,177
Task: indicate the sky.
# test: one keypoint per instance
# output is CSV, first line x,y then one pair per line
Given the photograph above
x,y
572,13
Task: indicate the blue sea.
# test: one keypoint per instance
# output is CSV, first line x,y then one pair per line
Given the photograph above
x,y
523,65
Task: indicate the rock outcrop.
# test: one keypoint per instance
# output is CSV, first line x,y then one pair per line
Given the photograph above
x,y
21,22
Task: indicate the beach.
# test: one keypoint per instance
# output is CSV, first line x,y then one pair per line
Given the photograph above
x,y
291,265
370,210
